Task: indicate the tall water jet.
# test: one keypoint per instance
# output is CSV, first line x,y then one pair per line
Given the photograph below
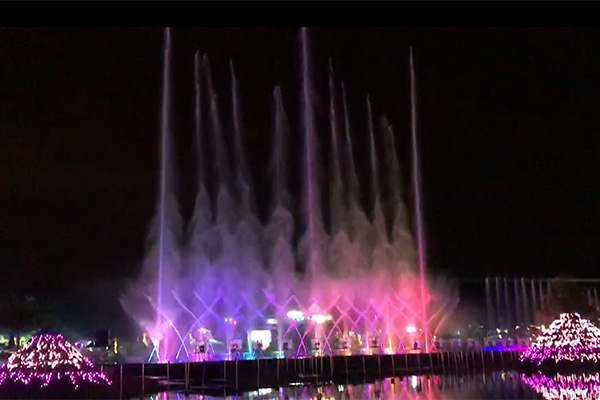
x,y
225,207
358,225
312,240
220,156
353,195
280,226
336,189
378,217
242,180
534,312
165,131
489,305
509,322
201,218
278,167
499,308
149,300
418,196
401,236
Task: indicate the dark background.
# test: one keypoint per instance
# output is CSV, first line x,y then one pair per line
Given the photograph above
x,y
508,125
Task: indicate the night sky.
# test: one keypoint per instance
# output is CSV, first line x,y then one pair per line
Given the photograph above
x,y
508,120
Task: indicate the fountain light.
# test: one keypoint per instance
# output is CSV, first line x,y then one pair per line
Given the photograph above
x,y
320,318
411,329
295,315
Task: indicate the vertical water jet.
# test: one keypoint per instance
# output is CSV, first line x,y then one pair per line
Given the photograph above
x,y
165,131
336,189
242,180
353,187
311,195
418,196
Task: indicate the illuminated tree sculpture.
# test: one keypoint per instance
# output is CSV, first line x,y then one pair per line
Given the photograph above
x,y
568,339
48,361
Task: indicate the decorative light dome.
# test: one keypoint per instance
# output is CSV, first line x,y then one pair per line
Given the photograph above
x,y
569,338
47,359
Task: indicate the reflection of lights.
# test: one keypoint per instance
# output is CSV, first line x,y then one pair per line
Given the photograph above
x,y
295,315
271,321
580,387
411,329
414,381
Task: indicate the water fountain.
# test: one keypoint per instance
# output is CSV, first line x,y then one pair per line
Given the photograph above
x,y
242,288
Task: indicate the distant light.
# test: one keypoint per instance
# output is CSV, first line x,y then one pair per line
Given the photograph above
x,y
261,336
271,321
295,315
411,329
320,318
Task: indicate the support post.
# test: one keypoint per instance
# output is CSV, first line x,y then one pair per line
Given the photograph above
x,y
143,376
121,382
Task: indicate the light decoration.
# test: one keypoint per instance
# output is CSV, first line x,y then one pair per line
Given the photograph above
x,y
564,387
46,359
569,338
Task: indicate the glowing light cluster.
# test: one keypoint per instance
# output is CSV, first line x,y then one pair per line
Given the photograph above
x,y
47,358
320,318
580,387
569,338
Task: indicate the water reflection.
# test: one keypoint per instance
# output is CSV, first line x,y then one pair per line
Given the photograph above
x,y
565,387
502,385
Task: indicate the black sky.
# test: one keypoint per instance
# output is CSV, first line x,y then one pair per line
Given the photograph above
x,y
509,125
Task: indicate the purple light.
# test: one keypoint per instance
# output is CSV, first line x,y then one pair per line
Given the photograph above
x,y
569,338
580,387
46,359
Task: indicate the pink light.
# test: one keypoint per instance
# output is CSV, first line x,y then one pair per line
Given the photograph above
x,y
47,358
569,338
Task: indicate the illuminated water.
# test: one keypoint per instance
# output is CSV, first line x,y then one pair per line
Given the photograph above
x,y
503,385
351,280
